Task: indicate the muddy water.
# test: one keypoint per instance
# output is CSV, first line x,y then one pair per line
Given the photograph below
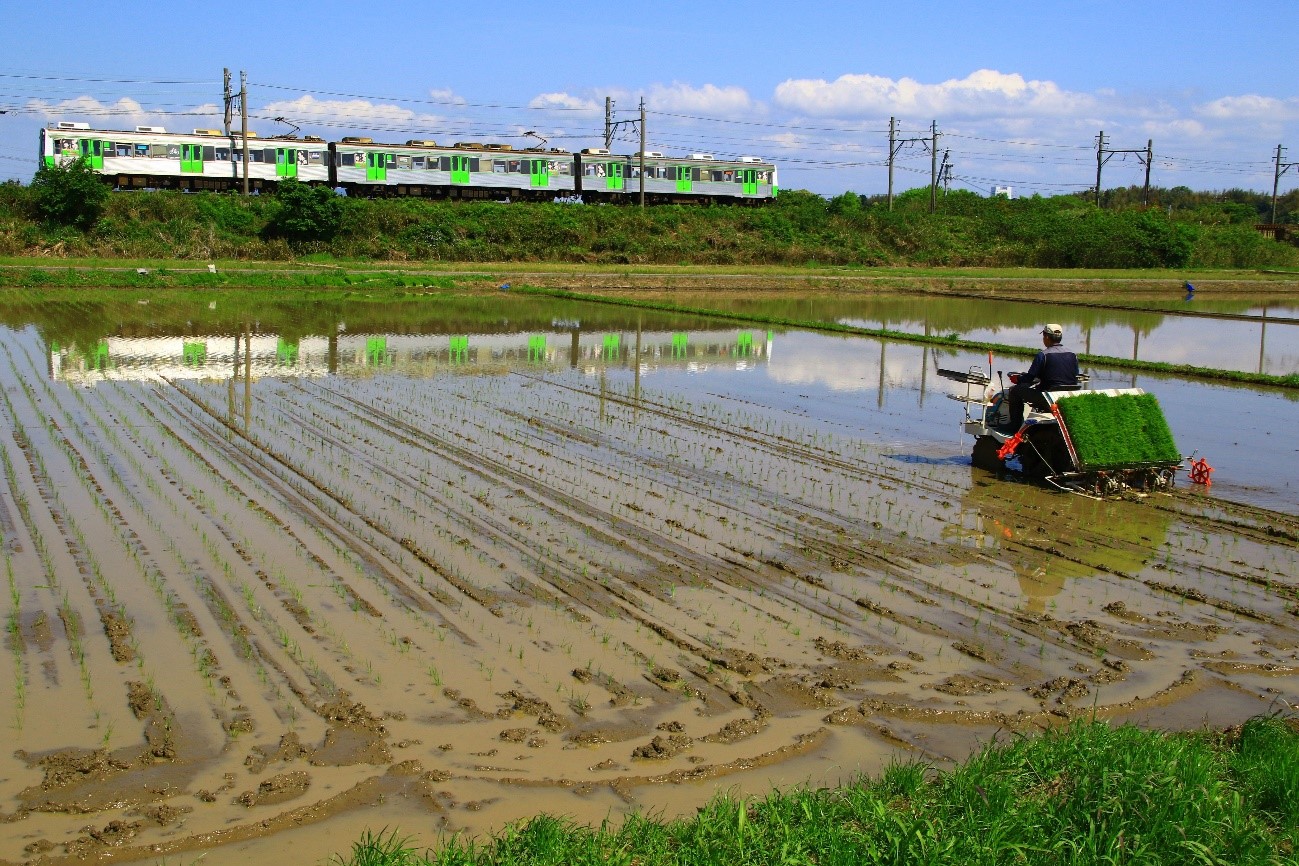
x,y
269,587
1247,334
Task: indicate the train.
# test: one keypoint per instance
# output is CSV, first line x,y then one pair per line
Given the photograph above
x,y
150,157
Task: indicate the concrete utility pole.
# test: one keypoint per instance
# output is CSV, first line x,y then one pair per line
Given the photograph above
x,y
608,122
642,151
895,145
1281,168
1146,155
892,133
229,102
933,167
945,172
1150,157
243,113
1100,162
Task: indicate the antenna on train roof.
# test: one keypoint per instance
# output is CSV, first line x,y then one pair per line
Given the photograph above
x,y
533,133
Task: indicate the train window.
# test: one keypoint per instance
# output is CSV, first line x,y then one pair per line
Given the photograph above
x,y
432,163
124,148
209,153
557,167
222,154
499,166
108,148
347,159
445,163
417,162
315,157
391,159
403,162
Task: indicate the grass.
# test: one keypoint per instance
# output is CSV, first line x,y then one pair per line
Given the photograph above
x,y
1090,793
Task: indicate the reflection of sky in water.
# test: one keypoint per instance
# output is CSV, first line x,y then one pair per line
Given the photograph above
x,y
835,381
1217,343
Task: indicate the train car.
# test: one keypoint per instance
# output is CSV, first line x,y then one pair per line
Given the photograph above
x,y
698,178
150,157
463,170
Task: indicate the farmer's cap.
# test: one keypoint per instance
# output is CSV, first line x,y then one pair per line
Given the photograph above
x,y
1053,331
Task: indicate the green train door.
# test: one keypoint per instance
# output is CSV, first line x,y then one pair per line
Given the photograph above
x,y
460,169
683,178
540,173
376,166
191,159
750,178
92,151
286,162
614,179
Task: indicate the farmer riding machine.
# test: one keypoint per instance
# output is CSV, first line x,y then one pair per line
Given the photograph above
x,y
1092,442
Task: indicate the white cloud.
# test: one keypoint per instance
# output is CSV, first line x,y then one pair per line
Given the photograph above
x,y
983,93
710,100
1251,107
564,100
308,108
447,95
123,112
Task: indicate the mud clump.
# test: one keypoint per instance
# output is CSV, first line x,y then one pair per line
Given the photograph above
x,y
118,630
961,685
277,789
660,748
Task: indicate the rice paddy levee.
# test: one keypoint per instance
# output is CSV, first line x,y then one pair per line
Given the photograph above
x,y
266,590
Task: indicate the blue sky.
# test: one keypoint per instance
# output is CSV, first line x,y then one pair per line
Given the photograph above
x,y
1018,90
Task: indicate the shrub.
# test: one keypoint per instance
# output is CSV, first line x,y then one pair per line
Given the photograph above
x,y
68,195
305,213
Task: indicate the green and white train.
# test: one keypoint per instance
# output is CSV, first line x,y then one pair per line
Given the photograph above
x,y
150,157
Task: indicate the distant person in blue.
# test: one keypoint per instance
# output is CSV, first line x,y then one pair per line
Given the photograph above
x,y
1054,369
1190,290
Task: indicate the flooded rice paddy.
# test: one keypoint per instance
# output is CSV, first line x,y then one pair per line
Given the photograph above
x,y
280,573
1204,329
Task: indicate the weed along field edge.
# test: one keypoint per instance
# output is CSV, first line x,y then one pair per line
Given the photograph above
x,y
281,570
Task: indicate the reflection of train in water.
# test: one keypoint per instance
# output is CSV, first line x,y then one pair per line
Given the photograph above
x,y
257,355
150,157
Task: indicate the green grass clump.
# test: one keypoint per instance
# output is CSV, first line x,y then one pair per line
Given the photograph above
x,y
1086,794
1119,431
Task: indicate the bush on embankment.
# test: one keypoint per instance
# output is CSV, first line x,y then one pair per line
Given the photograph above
x,y
1088,794
799,229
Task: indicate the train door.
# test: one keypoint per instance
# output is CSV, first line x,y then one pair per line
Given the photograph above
x,y
92,151
376,166
540,173
191,159
459,169
614,179
684,178
286,162
750,178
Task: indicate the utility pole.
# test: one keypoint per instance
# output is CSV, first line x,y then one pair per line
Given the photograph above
x,y
229,102
1281,168
1150,157
945,172
892,150
933,167
243,113
642,151
608,122
895,145
1100,162
1103,154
